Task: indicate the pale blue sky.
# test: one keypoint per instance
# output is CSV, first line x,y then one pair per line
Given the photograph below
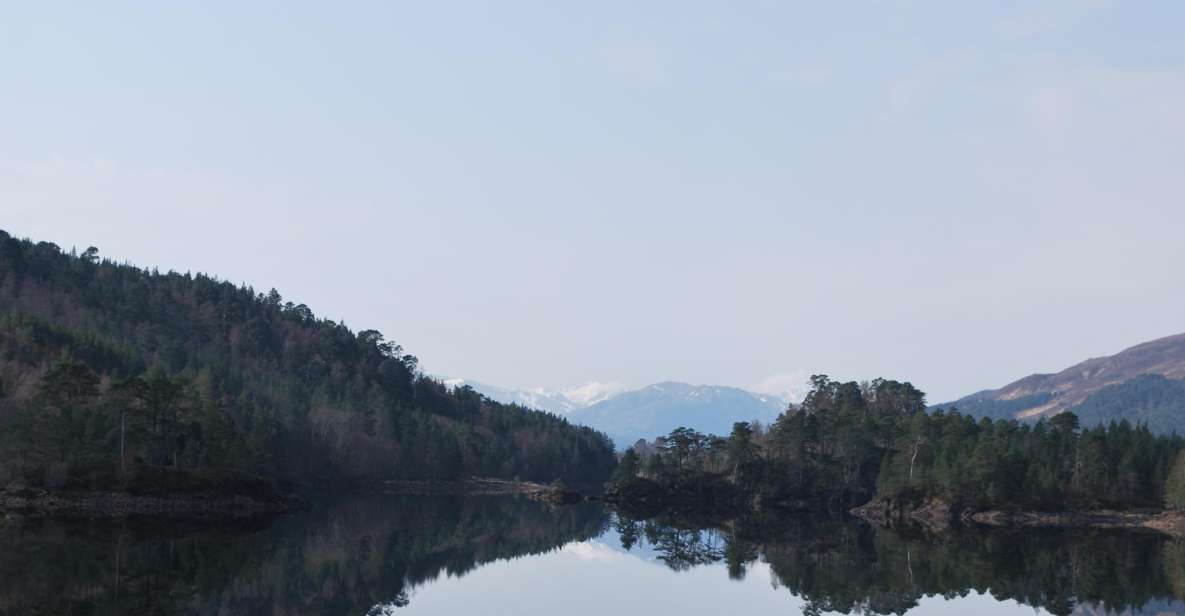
x,y
550,193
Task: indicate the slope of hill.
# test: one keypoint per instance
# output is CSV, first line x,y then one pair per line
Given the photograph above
x,y
1142,383
657,409
117,377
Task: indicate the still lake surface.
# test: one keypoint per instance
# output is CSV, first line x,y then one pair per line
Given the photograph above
x,y
509,555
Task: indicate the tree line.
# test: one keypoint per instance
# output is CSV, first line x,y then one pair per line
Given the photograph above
x,y
849,443
112,376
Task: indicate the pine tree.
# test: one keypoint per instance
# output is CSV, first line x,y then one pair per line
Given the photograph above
x,y
627,467
1174,485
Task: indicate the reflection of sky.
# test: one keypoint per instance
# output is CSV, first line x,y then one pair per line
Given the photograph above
x,y
597,578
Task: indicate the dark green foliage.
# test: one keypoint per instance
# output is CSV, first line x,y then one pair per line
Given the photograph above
x,y
1174,485
825,454
1150,399
849,443
1047,466
106,368
628,467
742,454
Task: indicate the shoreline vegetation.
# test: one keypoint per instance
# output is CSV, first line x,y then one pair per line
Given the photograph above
x,y
22,500
874,450
479,486
934,515
122,504
939,515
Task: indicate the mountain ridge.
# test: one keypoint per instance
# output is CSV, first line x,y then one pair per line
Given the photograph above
x,y
658,408
627,415
1087,383
559,401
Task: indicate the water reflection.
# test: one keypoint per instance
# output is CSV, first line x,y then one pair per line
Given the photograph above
x,y
837,565
357,557
452,555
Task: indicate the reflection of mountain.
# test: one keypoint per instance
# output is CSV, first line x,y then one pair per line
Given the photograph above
x,y
641,550
343,559
845,567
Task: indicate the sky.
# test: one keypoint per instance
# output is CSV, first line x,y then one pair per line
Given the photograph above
x,y
544,194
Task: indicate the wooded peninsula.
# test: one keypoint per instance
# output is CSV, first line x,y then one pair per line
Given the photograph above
x,y
874,447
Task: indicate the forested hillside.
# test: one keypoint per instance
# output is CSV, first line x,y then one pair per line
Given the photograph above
x,y
1150,399
116,376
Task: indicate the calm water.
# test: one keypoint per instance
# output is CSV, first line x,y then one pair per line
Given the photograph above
x,y
507,555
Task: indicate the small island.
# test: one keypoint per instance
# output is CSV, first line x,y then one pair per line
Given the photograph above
x,y
874,449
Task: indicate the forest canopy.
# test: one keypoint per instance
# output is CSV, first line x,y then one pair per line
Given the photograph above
x,y
113,376
849,443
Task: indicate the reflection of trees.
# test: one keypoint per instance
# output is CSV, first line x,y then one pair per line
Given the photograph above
x,y
682,549
1174,565
356,557
737,555
388,608
629,531
839,566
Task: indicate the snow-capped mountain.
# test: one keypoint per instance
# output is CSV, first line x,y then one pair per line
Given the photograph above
x,y
645,413
558,401
592,393
657,409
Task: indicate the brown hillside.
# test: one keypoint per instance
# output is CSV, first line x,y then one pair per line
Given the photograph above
x,y
1165,356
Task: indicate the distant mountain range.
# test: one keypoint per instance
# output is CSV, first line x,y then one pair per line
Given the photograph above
x,y
654,410
657,409
1145,383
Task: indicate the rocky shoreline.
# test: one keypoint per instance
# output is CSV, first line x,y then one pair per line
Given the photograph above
x,y
482,487
121,504
1169,522
938,514
31,502
475,485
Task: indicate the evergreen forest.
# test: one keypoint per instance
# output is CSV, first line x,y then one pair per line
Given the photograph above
x,y
850,443
114,377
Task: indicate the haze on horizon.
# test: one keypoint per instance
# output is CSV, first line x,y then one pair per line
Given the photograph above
x,y
526,194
